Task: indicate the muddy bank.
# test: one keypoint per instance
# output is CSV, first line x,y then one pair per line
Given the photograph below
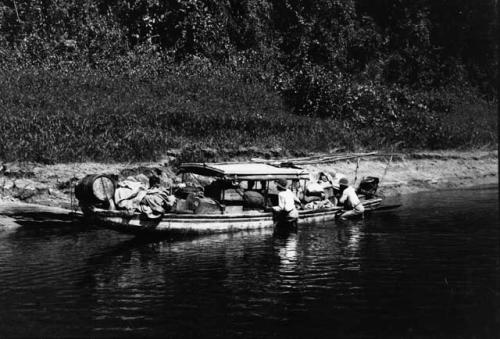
x,y
51,185
409,173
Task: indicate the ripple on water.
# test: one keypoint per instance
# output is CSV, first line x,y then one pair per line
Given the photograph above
x,y
429,267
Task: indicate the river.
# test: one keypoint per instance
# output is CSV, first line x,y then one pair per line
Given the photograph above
x,y
428,269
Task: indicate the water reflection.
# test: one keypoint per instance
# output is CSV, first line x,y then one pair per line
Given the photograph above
x,y
429,268
288,252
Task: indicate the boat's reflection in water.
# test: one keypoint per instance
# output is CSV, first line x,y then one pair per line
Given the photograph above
x,y
285,259
247,276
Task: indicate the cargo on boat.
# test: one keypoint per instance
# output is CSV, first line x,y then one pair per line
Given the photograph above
x,y
218,198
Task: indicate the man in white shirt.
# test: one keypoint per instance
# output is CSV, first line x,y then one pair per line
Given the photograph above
x,y
350,199
286,202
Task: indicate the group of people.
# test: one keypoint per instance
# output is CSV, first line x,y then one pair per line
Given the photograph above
x,y
342,194
335,190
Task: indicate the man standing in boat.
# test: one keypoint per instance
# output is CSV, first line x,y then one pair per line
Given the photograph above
x,y
349,198
286,203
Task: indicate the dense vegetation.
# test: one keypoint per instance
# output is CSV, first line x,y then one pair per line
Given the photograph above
x,y
130,79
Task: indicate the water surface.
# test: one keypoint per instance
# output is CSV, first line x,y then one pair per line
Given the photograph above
x,y
429,269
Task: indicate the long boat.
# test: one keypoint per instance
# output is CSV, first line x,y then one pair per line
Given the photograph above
x,y
231,218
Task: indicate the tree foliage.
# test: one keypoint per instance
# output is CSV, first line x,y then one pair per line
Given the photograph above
x,y
359,61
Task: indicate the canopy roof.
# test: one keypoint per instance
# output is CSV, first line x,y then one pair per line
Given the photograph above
x,y
244,171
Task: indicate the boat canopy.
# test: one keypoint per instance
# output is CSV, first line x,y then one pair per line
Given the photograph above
x,y
244,171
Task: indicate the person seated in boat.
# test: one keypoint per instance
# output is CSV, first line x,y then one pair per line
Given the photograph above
x,y
286,203
335,178
298,189
325,180
352,205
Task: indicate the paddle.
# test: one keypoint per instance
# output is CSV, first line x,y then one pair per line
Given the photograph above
x,y
381,208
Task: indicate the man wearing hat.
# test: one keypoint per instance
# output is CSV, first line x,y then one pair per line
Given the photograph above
x,y
286,202
350,200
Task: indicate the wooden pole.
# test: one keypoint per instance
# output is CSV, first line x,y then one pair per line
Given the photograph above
x,y
71,191
315,159
356,173
385,171
17,12
266,192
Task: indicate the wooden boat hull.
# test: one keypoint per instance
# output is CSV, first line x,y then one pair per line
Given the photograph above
x,y
183,224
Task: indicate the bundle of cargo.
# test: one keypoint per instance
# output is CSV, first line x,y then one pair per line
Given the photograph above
x,y
198,204
368,187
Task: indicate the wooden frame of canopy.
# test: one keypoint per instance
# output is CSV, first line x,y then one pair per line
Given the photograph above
x,y
245,172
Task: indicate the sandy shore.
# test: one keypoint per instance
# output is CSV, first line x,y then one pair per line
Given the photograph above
x,y
410,173
50,185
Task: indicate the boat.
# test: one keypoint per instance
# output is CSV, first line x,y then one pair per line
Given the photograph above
x,y
229,215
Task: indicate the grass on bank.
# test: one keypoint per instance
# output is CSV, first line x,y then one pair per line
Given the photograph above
x,y
61,116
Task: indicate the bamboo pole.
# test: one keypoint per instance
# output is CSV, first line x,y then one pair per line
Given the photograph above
x,y
314,159
356,172
385,171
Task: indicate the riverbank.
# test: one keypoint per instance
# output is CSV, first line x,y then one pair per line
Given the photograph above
x,y
50,185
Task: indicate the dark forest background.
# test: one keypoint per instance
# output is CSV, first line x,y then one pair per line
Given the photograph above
x,y
132,79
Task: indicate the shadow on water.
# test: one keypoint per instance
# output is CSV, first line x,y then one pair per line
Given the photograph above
x,y
33,224
31,219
